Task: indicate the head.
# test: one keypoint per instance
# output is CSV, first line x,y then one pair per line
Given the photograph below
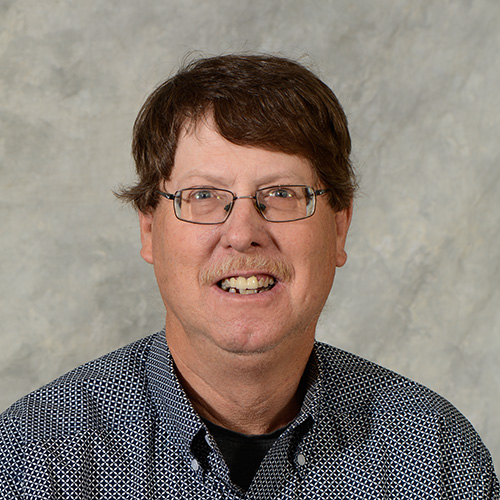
x,y
260,101
242,123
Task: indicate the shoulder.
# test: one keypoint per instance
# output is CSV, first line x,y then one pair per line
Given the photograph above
x,y
362,382
392,436
399,415
364,386
102,393
88,411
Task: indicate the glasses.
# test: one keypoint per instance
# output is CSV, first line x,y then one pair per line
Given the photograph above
x,y
206,205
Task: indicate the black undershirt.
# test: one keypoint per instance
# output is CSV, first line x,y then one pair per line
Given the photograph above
x,y
243,453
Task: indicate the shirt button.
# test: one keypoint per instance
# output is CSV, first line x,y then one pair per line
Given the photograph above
x,y
207,439
194,464
301,459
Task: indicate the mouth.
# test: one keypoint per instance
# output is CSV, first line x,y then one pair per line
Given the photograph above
x,y
247,286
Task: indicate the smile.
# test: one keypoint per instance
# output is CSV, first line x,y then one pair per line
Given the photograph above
x,y
247,286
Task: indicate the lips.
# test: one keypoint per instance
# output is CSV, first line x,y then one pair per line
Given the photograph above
x,y
247,286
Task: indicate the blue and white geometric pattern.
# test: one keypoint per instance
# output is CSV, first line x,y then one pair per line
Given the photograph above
x,y
121,427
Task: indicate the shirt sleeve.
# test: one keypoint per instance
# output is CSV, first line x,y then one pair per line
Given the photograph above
x,y
495,488
466,464
11,458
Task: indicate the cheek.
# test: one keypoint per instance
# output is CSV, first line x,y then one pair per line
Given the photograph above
x,y
319,246
205,238
181,250
318,263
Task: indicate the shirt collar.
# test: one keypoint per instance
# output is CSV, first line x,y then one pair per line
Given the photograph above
x,y
175,410
173,407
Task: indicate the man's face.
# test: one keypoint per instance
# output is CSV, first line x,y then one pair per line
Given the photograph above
x,y
191,261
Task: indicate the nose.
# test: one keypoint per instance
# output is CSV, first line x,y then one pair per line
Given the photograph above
x,y
245,228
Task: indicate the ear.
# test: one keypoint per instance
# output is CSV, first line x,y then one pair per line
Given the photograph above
x,y
146,225
342,223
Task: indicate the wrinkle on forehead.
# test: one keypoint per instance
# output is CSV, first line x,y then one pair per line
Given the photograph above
x,y
202,128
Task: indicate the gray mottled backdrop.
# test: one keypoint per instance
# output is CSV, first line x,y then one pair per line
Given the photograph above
x,y
420,84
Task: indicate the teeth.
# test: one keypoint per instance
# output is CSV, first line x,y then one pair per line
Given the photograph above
x,y
241,282
246,286
252,283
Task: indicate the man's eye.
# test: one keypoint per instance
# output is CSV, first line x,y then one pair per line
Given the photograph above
x,y
281,193
203,194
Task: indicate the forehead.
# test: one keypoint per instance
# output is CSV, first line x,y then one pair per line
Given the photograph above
x,y
203,154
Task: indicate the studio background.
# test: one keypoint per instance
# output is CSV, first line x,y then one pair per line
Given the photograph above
x,y
419,83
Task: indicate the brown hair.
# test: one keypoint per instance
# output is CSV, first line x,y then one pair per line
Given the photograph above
x,y
256,100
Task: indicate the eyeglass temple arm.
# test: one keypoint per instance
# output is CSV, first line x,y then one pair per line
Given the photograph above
x,y
319,192
167,195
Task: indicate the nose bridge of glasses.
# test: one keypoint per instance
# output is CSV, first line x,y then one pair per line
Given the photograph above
x,y
230,206
254,198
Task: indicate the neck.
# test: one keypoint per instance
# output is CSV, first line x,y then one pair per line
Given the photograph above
x,y
249,393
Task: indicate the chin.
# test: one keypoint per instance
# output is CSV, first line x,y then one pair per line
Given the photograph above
x,y
250,342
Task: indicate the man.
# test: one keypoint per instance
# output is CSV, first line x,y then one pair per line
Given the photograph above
x,y
244,197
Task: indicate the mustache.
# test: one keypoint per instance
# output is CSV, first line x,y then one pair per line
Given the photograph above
x,y
276,267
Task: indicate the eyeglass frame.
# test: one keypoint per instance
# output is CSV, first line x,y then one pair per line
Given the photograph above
x,y
314,192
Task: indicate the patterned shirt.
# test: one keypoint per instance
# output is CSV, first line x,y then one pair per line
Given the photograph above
x,y
121,427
